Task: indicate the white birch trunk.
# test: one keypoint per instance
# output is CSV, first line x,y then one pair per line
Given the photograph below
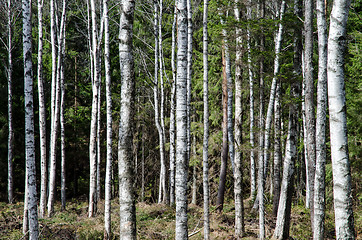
x,y
98,187
162,115
62,103
269,116
319,181
29,122
205,146
277,151
10,107
189,75
172,114
307,188
54,114
337,121
42,115
309,99
284,208
108,178
238,172
251,109
125,151
181,122
92,208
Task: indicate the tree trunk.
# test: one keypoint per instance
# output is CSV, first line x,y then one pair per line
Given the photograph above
x,y
10,107
62,103
162,115
319,181
337,121
181,122
189,75
108,178
268,121
42,115
29,122
224,153
309,99
92,208
125,156
238,172
251,109
172,114
277,151
98,187
205,160
284,208
54,112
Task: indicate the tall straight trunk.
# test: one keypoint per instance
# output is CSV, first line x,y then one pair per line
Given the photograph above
x,y
307,188
29,122
337,121
172,114
92,209
261,89
277,151
162,115
319,181
181,122
194,174
98,187
238,171
189,75
54,113
269,116
10,108
42,115
309,99
158,70
62,127
125,151
251,109
108,178
26,212
284,208
224,153
205,145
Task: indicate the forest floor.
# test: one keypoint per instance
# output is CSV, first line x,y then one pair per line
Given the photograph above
x,y
157,221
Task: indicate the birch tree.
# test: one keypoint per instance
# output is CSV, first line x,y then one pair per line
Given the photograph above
x,y
251,109
31,194
337,121
319,181
189,75
181,122
125,142
238,172
172,113
92,209
10,105
309,98
54,111
42,115
205,160
108,183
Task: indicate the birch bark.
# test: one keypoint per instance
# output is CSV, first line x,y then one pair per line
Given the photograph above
x,y
238,173
277,151
189,75
319,181
108,180
125,143
181,122
205,160
10,107
29,122
337,121
42,115
54,112
309,99
172,114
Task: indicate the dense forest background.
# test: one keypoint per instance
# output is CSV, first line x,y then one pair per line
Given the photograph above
x,y
78,97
